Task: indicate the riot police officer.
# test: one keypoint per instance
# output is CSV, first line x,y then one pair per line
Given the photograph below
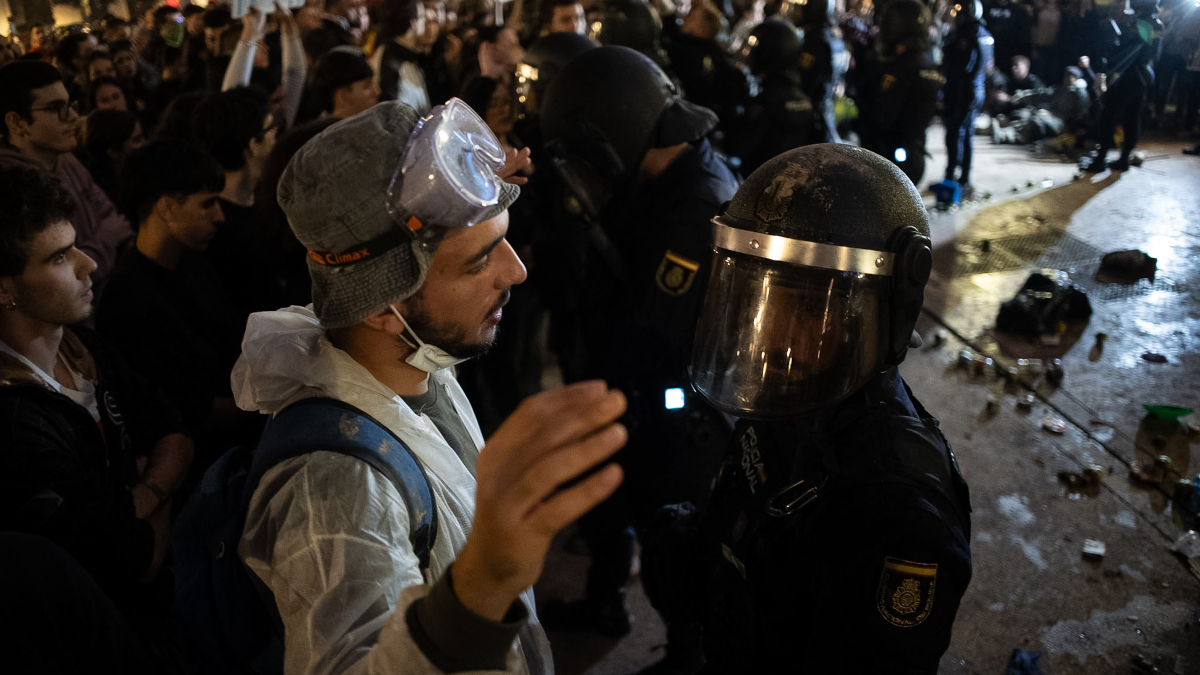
x,y
635,163
634,24
781,116
906,88
967,53
1136,47
823,62
839,509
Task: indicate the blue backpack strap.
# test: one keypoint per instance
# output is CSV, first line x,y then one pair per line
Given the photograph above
x,y
331,425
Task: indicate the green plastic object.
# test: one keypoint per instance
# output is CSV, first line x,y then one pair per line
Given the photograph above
x,y
1167,412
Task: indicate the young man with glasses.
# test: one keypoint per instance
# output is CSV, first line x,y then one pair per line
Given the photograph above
x,y
39,123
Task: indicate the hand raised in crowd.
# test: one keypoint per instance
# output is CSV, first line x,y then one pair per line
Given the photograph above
x,y
287,22
515,161
520,501
253,25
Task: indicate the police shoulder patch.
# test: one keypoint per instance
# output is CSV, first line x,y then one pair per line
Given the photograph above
x,y
676,274
905,594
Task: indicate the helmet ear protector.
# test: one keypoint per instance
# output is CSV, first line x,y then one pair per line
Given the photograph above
x,y
911,266
587,163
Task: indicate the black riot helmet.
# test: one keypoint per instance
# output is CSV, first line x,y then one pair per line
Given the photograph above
x,y
774,48
543,61
905,22
967,13
630,23
604,111
817,278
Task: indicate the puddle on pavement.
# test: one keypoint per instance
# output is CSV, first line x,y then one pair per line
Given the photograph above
x,y
1104,632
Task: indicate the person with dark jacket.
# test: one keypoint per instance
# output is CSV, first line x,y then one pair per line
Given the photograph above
x,y
94,455
906,89
704,69
837,535
166,309
781,115
1130,78
614,115
968,51
410,59
823,63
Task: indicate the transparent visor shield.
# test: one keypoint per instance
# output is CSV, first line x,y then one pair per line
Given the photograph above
x,y
447,174
777,340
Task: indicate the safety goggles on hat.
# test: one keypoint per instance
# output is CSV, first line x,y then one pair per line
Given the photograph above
x,y
447,174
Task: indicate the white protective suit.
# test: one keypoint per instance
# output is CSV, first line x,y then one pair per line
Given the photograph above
x,y
328,534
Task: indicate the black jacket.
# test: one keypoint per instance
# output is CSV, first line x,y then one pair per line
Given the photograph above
x,y
866,578
779,119
67,478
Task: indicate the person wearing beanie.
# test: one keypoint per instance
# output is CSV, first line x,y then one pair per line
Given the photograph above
x,y
344,83
406,283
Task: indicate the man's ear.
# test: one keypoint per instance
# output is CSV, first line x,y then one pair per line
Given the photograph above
x,y
7,290
386,321
166,208
14,123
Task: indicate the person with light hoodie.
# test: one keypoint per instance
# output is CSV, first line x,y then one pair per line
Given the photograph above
x,y
410,272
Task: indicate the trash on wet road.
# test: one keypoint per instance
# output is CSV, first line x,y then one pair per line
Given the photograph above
x,y
1127,267
1044,306
1168,413
1054,425
1154,358
1026,402
1188,544
1093,549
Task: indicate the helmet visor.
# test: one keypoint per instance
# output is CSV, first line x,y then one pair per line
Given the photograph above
x,y
777,340
447,174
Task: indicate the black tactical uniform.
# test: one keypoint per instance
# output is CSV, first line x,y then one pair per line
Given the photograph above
x,y
710,79
823,63
781,116
647,241
1131,76
837,536
906,89
881,557
967,52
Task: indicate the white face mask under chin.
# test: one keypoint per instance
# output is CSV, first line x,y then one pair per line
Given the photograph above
x,y
427,357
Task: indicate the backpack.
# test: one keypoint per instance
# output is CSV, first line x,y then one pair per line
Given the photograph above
x,y
228,615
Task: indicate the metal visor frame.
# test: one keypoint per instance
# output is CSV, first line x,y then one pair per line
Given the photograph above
x,y
728,236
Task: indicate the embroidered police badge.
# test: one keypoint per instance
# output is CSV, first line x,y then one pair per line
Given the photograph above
x,y
676,274
905,595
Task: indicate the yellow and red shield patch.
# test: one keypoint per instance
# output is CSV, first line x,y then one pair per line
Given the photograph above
x,y
905,595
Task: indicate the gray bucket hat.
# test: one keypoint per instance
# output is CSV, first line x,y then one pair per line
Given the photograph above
x,y
334,192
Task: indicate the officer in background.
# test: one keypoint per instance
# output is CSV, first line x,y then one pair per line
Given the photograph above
x,y
967,53
637,168
823,61
781,116
905,89
634,24
837,536
1137,46
708,76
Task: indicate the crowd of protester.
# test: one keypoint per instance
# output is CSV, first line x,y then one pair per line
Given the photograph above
x,y
162,141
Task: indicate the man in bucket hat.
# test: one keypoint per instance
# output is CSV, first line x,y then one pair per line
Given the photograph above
x,y
410,271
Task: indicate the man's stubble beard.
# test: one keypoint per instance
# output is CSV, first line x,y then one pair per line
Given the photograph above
x,y
450,338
